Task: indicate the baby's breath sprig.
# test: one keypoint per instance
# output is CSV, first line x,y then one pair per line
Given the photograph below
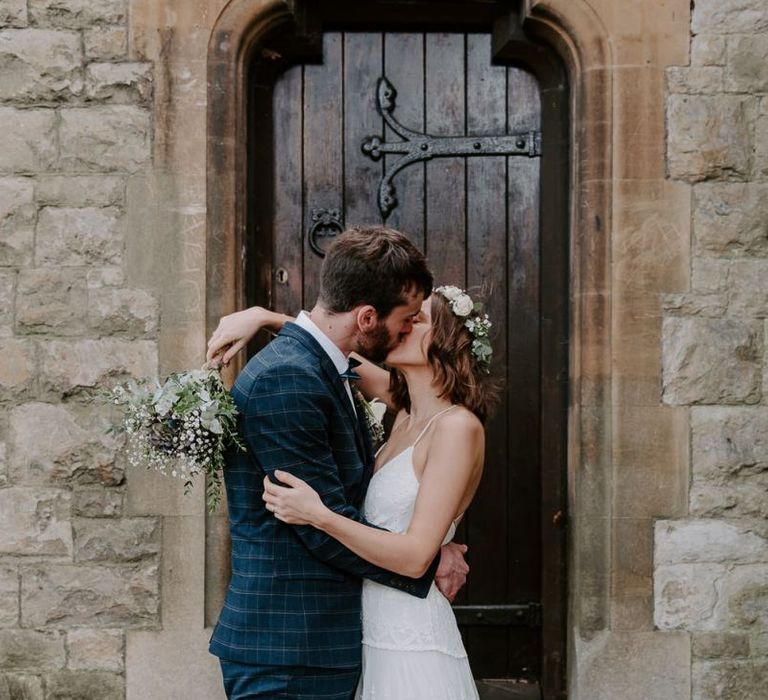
x,y
181,427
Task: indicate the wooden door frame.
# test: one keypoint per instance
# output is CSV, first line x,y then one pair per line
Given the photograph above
x,y
569,55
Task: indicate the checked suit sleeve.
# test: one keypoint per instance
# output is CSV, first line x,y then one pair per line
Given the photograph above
x,y
287,429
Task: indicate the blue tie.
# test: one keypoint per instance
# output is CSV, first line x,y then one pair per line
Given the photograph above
x,y
350,373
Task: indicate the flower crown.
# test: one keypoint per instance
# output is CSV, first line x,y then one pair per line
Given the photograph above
x,y
478,325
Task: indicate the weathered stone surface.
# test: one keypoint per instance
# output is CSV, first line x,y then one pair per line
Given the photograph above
x,y
37,64
743,495
7,286
105,43
685,541
746,591
87,236
616,666
99,277
17,221
35,521
708,305
708,50
731,218
761,140
748,288
51,301
97,503
3,464
114,311
29,140
50,446
124,540
88,685
710,275
696,80
711,361
30,649
105,139
77,13
9,595
13,13
21,686
17,367
709,136
728,16
89,596
715,645
747,63
95,650
80,190
729,449
68,366
120,83
729,680
758,643
689,596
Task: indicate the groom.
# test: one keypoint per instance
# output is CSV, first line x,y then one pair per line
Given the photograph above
x,y
290,626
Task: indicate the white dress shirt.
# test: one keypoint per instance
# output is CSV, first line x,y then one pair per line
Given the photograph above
x,y
340,361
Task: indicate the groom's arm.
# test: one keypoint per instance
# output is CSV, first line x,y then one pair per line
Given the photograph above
x,y
287,429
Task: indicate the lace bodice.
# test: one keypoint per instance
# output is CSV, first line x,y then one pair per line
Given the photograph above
x,y
392,494
393,619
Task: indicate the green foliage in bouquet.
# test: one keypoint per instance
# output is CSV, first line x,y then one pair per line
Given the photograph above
x,y
182,427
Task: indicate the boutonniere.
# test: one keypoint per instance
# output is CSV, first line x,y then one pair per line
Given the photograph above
x,y
373,411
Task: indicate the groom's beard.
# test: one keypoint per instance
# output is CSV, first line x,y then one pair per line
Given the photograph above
x,y
375,346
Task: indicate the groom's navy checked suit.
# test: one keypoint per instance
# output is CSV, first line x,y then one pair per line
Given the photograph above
x,y
294,595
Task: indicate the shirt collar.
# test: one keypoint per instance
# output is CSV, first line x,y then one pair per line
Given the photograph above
x,y
339,359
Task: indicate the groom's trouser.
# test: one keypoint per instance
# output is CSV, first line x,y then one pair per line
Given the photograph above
x,y
247,682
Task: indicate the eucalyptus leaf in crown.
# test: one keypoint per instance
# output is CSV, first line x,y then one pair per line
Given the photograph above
x,y
182,426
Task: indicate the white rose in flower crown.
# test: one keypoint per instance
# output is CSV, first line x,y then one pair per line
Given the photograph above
x,y
450,292
463,305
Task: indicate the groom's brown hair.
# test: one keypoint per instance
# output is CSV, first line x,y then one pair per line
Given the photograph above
x,y
372,265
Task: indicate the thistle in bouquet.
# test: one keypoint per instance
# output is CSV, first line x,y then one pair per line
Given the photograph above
x,y
182,426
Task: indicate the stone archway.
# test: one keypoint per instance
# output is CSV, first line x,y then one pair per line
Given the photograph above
x,y
576,34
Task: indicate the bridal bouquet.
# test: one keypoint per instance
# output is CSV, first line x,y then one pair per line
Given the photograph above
x,y
182,427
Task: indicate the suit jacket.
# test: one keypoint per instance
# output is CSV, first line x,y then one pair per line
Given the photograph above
x,y
294,595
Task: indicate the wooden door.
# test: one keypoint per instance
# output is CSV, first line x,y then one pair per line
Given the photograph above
x,y
477,219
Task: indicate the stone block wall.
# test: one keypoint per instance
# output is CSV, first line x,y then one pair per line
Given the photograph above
x,y
76,571
711,567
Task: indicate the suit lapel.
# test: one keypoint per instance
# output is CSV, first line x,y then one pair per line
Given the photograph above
x,y
336,384
362,424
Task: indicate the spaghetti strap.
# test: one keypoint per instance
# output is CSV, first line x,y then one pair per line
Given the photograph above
x,y
391,433
430,421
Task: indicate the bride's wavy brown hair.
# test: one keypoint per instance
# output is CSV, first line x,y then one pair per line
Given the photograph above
x,y
456,371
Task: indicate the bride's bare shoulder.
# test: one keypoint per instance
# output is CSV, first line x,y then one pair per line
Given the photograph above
x,y
460,421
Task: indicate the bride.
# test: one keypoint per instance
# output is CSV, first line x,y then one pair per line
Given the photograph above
x,y
425,477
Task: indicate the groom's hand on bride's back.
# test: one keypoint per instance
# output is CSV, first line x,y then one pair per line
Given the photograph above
x,y
452,572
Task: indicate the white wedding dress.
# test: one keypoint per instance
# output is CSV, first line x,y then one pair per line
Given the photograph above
x,y
412,649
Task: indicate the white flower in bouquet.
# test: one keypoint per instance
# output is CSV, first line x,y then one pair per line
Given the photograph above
x,y
182,427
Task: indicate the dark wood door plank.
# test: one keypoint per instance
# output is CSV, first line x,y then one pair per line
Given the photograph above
x,y
323,148
404,67
487,271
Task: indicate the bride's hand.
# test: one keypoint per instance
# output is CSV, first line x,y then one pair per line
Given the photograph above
x,y
296,504
233,333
